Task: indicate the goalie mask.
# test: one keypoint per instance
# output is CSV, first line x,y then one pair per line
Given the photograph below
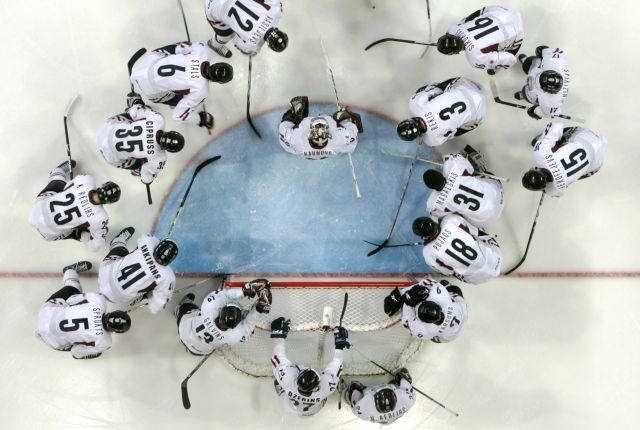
x,y
308,381
171,141
385,400
116,322
319,133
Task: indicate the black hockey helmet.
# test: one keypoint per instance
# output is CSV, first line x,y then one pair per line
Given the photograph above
x,y
425,227
308,381
448,44
534,179
550,81
109,192
165,252
434,180
385,400
429,312
411,129
220,72
276,39
171,141
230,316
116,322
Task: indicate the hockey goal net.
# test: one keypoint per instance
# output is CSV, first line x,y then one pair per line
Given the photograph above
x,y
376,336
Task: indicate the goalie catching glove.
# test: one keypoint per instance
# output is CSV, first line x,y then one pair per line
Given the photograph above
x,y
341,337
251,288
280,328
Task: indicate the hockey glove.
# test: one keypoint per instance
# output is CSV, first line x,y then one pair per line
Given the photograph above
x,y
415,295
454,290
539,50
134,98
206,120
251,288
491,72
341,337
300,106
402,374
263,305
280,328
342,115
393,302
532,113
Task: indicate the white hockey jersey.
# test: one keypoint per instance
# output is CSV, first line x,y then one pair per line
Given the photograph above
x,y
459,251
75,324
249,20
160,75
295,138
548,105
477,198
462,105
198,331
56,215
569,154
364,405
454,309
286,374
488,36
124,279
122,141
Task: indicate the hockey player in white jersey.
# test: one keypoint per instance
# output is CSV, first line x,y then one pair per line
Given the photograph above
x,y
490,36
72,209
463,189
456,247
564,156
220,321
547,82
302,390
136,140
78,322
321,136
443,111
129,277
249,23
178,75
383,403
430,309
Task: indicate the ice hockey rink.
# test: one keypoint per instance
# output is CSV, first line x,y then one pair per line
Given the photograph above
x,y
554,346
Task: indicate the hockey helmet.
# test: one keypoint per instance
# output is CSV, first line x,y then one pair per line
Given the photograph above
x,y
385,400
230,316
109,192
429,312
319,132
308,381
165,252
116,322
534,179
276,39
220,72
411,129
550,81
425,227
434,180
171,141
448,44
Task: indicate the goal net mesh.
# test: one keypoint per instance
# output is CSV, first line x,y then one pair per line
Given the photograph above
x,y
376,336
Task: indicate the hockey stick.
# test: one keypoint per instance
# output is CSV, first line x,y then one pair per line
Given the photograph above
x,y
419,391
435,163
179,290
186,193
497,99
393,39
253,127
393,246
183,386
66,132
335,92
533,227
130,64
430,29
395,218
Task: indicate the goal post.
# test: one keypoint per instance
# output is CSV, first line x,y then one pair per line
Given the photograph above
x,y
305,301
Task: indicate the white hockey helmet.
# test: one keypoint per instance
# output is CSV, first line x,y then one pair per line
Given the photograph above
x,y
319,133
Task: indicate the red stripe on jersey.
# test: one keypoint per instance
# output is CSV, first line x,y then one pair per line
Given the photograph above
x,y
81,303
149,288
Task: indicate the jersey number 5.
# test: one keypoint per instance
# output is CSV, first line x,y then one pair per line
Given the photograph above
x,y
132,145
68,213
574,158
74,324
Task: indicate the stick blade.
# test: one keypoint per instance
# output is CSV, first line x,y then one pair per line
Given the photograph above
x,y
206,162
378,249
185,394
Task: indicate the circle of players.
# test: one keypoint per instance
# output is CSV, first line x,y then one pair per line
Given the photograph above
x,y
465,198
